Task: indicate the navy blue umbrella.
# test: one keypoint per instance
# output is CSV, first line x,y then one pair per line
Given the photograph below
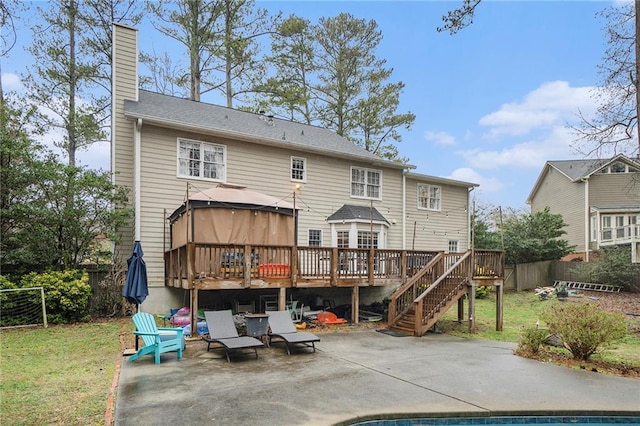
x,y
136,288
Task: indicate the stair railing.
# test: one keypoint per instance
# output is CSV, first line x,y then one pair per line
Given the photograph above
x,y
402,299
445,290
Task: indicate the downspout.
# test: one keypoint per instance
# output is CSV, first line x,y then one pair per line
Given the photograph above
x,y
587,219
404,208
136,177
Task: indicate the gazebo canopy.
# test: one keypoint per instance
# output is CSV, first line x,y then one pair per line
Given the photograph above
x,y
233,214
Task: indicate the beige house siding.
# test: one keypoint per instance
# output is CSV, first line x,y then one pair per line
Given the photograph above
x,y
566,198
262,169
434,229
615,189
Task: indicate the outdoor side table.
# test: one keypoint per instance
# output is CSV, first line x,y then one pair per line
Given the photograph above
x,y
257,325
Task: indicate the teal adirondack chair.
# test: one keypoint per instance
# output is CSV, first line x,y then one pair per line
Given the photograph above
x,y
156,340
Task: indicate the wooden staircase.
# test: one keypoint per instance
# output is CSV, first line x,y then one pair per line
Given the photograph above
x,y
416,306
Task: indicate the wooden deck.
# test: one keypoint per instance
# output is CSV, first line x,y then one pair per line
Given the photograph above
x,y
429,282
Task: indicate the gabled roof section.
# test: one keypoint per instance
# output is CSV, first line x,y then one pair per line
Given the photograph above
x,y
172,112
350,212
576,170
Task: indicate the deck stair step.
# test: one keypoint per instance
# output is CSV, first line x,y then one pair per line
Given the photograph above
x,y
589,286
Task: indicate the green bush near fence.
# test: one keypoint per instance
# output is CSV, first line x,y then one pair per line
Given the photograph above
x,y
66,295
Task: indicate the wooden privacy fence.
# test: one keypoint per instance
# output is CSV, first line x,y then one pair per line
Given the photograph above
x,y
528,276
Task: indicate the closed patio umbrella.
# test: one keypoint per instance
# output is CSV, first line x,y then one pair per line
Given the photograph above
x,y
136,287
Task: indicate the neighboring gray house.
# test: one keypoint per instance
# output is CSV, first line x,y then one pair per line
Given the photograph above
x,y
599,199
165,147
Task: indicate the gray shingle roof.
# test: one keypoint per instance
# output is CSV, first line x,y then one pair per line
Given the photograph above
x,y
576,169
173,112
351,212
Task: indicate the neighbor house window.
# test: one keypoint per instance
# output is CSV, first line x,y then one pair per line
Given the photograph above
x,y
201,160
453,246
298,169
429,197
620,227
315,237
366,183
594,228
606,228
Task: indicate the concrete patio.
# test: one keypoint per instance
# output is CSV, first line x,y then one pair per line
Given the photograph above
x,y
360,374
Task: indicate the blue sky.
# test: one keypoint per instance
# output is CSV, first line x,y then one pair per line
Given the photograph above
x,y
492,103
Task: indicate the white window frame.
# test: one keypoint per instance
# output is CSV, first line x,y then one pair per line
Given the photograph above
x,y
201,163
426,189
303,171
366,183
606,228
365,239
319,231
455,244
594,228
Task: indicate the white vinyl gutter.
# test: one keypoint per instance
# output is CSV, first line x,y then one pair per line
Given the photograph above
x,y
404,209
136,177
587,219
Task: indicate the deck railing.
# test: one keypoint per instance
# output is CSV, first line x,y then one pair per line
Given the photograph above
x,y
230,262
488,264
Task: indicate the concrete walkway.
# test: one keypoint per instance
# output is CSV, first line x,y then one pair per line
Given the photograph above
x,y
359,374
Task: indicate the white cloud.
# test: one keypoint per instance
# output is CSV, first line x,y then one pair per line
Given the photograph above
x,y
96,156
440,138
11,81
487,184
553,145
552,104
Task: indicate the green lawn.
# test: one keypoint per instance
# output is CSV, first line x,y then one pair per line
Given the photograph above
x,y
60,375
522,310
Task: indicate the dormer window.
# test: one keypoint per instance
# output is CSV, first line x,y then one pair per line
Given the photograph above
x,y
619,167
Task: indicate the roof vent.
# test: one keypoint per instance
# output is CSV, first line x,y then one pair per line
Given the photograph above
x,y
270,119
261,112
284,136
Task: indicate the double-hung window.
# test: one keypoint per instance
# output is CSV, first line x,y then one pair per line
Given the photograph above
x,y
298,169
315,237
201,160
429,197
366,183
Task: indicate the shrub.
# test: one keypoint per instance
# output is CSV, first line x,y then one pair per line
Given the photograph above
x,y
613,267
584,327
482,291
531,339
66,294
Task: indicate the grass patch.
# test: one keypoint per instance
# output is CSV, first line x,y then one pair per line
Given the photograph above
x,y
58,375
523,310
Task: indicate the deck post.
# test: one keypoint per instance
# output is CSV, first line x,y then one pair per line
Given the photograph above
x,y
282,299
460,310
471,291
194,311
499,310
248,261
355,303
334,267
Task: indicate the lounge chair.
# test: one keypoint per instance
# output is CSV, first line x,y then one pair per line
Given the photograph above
x,y
156,340
282,327
222,330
